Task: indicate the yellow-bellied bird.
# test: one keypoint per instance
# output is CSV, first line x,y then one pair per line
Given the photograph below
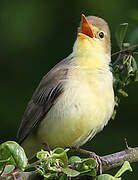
x,y
75,99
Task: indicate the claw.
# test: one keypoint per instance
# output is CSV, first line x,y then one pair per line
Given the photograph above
x,y
100,161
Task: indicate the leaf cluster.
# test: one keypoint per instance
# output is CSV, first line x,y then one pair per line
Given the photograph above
x,y
124,68
53,165
56,165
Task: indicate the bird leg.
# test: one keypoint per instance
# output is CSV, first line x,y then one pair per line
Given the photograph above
x,y
100,161
46,146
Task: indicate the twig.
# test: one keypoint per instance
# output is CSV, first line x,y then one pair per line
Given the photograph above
x,y
117,60
2,171
121,53
117,159
129,50
15,171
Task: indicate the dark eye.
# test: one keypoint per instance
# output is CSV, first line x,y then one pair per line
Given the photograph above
x,y
101,34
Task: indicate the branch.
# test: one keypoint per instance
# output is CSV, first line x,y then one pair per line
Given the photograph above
x,y
129,50
117,159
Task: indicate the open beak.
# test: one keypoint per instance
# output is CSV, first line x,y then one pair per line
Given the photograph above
x,y
86,30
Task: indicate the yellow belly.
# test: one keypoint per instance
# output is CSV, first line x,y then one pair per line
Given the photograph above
x,y
78,114
83,109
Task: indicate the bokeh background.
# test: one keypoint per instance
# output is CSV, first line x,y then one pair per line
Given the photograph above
x,y
34,36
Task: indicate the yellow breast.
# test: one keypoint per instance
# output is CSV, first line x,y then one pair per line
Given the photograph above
x,y
78,114
83,109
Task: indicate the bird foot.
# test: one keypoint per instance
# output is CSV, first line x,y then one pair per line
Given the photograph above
x,y
100,161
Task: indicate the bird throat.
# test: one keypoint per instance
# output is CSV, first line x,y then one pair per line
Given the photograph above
x,y
88,56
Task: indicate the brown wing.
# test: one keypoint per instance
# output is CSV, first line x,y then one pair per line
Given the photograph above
x,y
50,87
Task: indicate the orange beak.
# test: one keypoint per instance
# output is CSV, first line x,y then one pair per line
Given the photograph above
x,y
85,29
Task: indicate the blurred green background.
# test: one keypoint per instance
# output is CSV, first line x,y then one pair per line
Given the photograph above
x,y
34,36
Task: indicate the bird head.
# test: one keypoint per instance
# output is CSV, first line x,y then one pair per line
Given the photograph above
x,y
93,37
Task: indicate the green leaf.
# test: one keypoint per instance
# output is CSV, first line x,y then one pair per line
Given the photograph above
x,y
90,162
129,68
74,160
126,167
126,45
15,153
86,165
114,114
134,65
93,172
60,153
70,172
5,162
42,155
121,33
123,93
9,168
107,177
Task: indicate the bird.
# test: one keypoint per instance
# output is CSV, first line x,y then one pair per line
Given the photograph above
x,y
75,99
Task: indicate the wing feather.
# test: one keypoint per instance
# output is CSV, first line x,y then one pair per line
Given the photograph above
x,y
50,87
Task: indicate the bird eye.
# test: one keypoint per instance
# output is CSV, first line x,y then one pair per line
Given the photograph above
x,y
101,34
